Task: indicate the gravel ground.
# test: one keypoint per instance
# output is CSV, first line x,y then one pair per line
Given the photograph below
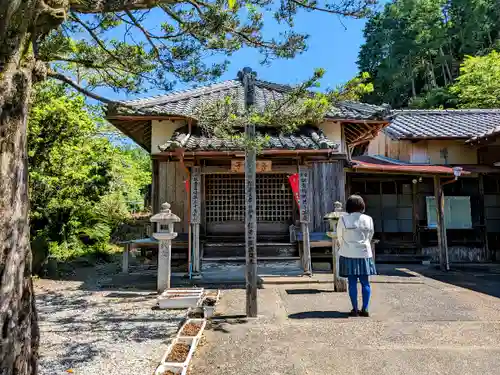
x,y
91,331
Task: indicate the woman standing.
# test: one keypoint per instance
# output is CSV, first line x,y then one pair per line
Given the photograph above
x,y
354,233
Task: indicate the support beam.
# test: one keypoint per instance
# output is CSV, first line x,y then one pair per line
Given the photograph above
x,y
196,217
304,218
441,225
155,186
415,217
482,218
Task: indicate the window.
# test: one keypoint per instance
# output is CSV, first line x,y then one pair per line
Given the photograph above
x,y
457,212
419,156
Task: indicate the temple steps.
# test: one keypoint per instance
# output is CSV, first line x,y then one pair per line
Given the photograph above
x,y
234,269
264,250
228,260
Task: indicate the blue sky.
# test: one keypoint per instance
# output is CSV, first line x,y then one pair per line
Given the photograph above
x,y
333,45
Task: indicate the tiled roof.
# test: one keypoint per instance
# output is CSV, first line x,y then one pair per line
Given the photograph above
x,y
489,135
184,103
306,138
442,123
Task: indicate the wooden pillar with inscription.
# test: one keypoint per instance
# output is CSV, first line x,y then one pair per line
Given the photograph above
x,y
196,218
441,225
304,218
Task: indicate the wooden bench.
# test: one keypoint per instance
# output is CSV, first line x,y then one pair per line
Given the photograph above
x,y
180,242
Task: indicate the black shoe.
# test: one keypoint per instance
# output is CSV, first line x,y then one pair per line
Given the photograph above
x,y
364,314
354,313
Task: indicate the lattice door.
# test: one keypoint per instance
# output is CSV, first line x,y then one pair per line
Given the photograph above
x,y
225,198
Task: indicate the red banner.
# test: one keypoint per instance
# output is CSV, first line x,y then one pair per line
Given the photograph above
x,y
186,185
294,184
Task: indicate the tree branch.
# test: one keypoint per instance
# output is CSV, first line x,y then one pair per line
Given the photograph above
x,y
144,31
96,38
84,91
340,12
108,6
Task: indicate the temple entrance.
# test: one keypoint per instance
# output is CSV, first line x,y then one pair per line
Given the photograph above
x,y
225,205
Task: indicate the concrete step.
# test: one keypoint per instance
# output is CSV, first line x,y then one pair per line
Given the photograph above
x,y
226,250
243,259
401,258
233,269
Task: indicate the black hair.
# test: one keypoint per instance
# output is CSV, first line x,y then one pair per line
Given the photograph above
x,y
355,204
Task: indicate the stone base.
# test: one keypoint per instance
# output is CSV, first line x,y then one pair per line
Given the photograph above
x,y
340,285
458,254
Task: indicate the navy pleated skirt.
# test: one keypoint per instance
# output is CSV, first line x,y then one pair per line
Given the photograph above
x,y
356,266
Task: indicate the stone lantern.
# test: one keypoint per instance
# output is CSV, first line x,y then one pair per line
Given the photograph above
x,y
164,233
340,283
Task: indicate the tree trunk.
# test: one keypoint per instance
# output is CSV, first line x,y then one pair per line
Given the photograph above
x,y
413,89
18,319
446,66
21,24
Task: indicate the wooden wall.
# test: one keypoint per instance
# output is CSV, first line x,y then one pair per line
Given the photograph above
x,y
326,185
168,179
425,151
489,155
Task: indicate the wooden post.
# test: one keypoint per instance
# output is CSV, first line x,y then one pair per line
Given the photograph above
x,y
415,216
155,201
196,218
251,226
248,79
482,218
304,218
441,225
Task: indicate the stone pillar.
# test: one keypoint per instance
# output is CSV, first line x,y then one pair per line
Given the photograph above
x,y
164,233
339,283
196,218
304,218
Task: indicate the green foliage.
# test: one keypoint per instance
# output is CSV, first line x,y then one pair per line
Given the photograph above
x,y
356,88
437,98
413,48
479,83
81,185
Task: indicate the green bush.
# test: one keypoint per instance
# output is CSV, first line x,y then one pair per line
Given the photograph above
x,y
82,185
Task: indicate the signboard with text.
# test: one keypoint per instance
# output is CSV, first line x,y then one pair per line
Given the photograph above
x,y
238,166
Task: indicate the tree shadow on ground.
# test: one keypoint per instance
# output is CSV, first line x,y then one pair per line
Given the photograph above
x,y
87,325
74,354
478,278
308,291
393,270
319,315
221,322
